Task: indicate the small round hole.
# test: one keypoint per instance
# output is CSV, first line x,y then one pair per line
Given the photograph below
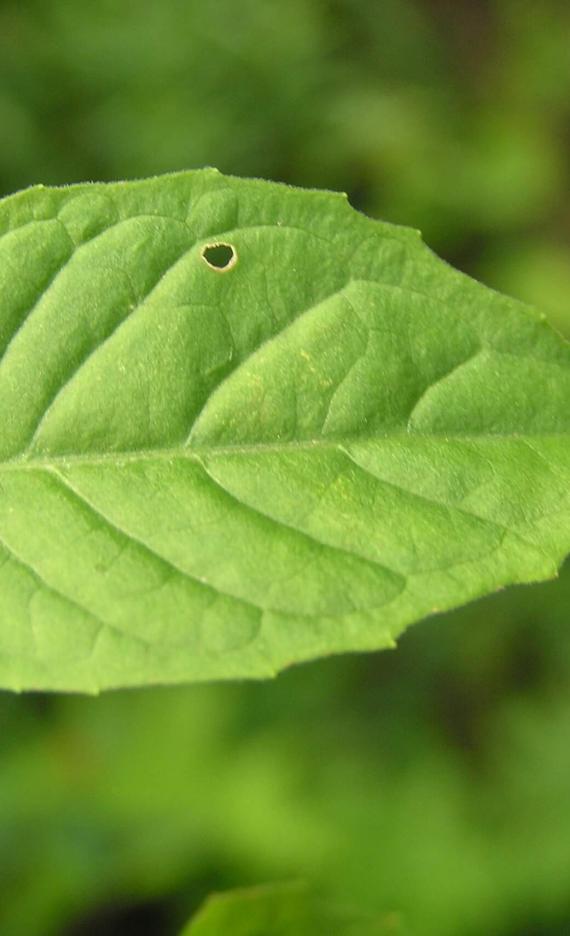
x,y
220,257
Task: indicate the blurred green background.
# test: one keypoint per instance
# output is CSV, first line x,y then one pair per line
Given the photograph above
x,y
434,780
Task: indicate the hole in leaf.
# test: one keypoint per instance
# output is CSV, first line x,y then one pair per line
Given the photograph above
x,y
220,257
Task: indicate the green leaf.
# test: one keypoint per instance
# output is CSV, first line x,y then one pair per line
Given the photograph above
x,y
242,425
281,910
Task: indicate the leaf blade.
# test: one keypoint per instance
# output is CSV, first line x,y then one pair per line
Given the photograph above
x,y
211,474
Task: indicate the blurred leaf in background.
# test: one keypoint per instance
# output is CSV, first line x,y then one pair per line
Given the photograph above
x,y
282,910
434,780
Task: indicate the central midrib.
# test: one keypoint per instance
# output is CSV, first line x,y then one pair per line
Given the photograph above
x,y
197,452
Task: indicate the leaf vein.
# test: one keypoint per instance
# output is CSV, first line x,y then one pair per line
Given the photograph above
x,y
310,537
450,507
143,546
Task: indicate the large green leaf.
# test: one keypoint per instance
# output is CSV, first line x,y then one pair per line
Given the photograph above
x,y
282,910
211,472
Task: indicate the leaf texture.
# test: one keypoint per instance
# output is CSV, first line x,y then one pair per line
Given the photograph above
x,y
213,471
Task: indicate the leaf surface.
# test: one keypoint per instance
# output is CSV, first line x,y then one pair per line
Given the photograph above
x,y
243,425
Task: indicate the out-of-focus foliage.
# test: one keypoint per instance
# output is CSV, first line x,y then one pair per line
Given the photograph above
x,y
434,781
282,910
